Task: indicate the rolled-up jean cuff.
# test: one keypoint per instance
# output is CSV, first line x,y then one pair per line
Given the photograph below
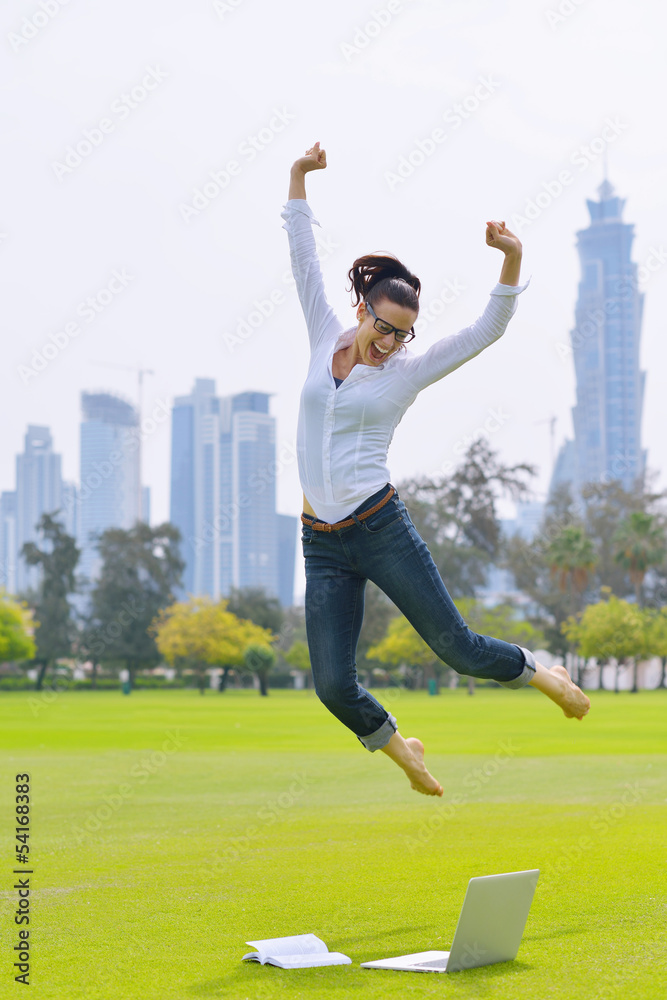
x,y
528,672
381,736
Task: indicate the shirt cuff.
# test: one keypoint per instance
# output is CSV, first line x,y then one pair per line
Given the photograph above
x,y
510,289
298,205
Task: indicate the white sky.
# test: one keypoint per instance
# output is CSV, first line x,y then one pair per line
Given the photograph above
x,y
220,73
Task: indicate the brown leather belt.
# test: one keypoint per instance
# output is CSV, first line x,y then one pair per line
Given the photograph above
x,y
325,526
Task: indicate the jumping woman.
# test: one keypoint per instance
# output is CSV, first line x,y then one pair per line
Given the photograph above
x,y
359,384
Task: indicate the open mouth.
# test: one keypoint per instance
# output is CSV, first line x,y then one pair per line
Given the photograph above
x,y
377,353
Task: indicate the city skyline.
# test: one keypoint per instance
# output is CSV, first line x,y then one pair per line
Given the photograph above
x,y
223,494
99,263
223,497
607,325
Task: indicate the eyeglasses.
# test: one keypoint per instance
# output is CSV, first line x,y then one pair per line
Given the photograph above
x,y
402,336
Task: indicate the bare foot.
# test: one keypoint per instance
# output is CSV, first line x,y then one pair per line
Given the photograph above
x,y
420,779
572,700
409,754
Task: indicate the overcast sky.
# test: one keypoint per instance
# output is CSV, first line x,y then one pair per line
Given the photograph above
x,y
116,113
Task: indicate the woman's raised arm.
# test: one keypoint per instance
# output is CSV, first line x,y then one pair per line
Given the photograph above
x,y
315,159
320,318
499,237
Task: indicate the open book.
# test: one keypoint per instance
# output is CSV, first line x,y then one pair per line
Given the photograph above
x,y
301,952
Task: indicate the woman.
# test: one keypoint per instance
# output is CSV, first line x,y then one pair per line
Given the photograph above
x,y
355,527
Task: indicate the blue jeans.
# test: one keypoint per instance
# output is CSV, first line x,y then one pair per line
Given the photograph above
x,y
387,549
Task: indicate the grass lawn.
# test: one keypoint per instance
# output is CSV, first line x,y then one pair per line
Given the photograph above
x,y
167,829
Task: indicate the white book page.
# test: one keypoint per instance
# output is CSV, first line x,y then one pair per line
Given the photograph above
x,y
301,944
309,961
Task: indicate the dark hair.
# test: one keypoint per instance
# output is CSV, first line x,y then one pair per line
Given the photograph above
x,y
382,276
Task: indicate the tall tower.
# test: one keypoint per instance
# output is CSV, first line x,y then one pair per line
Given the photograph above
x,y
223,494
38,491
195,486
8,548
253,438
605,349
109,491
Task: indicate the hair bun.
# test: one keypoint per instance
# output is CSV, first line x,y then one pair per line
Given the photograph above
x,y
375,273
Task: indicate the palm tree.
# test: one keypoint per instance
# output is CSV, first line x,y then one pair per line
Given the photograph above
x,y
640,544
571,557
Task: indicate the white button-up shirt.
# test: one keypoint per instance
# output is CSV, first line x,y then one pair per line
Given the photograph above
x,y
343,434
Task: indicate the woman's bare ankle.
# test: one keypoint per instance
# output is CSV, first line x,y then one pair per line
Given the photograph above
x,y
557,684
409,755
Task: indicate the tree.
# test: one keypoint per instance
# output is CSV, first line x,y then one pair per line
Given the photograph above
x,y
402,645
656,637
639,543
528,562
200,633
55,633
502,621
16,630
260,659
141,569
571,558
255,605
379,611
298,656
537,566
612,628
607,506
456,514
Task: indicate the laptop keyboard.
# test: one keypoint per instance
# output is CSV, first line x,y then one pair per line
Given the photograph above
x,y
437,963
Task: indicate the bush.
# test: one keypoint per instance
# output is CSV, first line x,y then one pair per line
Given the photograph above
x,y
158,682
16,684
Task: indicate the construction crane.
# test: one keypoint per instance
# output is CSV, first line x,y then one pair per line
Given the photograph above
x,y
140,373
552,430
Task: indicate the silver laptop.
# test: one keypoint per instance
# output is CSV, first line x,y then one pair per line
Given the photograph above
x,y
490,927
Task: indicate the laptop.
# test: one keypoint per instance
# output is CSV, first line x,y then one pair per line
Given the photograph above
x,y
489,930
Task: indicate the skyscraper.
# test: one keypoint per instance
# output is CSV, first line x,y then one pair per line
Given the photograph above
x,y
605,348
223,494
255,528
195,486
109,492
8,549
38,491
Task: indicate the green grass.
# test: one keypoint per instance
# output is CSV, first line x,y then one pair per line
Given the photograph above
x,y
155,861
